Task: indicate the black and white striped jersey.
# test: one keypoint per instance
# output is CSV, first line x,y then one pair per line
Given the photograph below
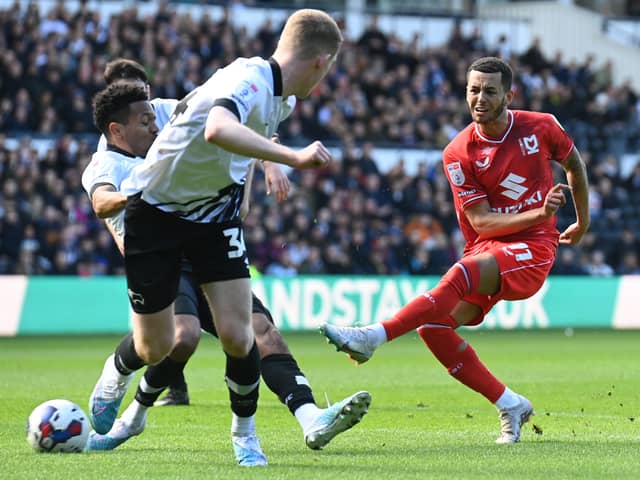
x,y
193,179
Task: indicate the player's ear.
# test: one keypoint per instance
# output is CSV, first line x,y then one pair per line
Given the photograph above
x,y
508,98
322,60
115,129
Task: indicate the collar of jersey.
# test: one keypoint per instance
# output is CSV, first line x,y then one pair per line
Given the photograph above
x,y
277,77
492,140
113,148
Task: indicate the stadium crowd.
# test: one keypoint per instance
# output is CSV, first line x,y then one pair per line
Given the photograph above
x,y
351,218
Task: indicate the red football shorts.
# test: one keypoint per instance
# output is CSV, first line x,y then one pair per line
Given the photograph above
x,y
524,266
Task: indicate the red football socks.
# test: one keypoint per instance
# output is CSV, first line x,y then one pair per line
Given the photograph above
x,y
460,280
461,360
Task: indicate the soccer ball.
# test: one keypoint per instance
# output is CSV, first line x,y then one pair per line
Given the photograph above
x,y
58,426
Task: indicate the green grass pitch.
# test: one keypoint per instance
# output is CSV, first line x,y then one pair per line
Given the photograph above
x,y
421,425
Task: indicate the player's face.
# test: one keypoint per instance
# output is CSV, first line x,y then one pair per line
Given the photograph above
x,y
141,129
486,97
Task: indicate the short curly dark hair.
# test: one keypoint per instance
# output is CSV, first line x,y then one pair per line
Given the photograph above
x,y
124,69
112,103
494,65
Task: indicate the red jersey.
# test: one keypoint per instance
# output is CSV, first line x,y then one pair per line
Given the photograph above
x,y
513,173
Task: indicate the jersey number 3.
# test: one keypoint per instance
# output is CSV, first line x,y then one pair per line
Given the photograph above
x,y
236,242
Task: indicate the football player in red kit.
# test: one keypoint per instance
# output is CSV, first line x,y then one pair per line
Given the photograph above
x,y
500,171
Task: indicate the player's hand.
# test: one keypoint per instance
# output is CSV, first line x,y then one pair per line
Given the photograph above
x,y
277,181
275,178
555,199
573,234
314,156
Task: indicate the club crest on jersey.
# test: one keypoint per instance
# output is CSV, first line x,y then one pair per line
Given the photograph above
x,y
484,163
529,145
455,173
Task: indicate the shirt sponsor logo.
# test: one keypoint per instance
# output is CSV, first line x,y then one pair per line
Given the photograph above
x,y
532,200
455,173
514,188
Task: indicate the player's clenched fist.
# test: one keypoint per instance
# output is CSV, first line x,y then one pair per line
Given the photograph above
x,y
555,199
315,155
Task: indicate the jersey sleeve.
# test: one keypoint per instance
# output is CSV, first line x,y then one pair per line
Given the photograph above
x,y
163,108
241,93
466,190
560,143
100,171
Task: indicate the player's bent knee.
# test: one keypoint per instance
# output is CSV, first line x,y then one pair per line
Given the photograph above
x,y
182,350
236,343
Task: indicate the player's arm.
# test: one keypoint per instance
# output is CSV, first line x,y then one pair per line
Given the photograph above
x,y
488,224
116,238
224,129
106,201
576,172
276,180
246,198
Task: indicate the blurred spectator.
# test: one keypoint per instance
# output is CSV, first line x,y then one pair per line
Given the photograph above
x,y
629,265
351,218
597,265
568,263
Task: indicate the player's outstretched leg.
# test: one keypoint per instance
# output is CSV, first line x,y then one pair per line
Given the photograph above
x,y
281,373
336,419
357,342
127,426
283,376
107,395
512,419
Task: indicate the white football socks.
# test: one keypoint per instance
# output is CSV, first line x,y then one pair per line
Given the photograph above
x,y
135,414
508,399
306,414
377,334
243,426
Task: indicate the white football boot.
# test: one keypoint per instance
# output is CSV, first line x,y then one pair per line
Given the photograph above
x,y
357,342
336,419
512,419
